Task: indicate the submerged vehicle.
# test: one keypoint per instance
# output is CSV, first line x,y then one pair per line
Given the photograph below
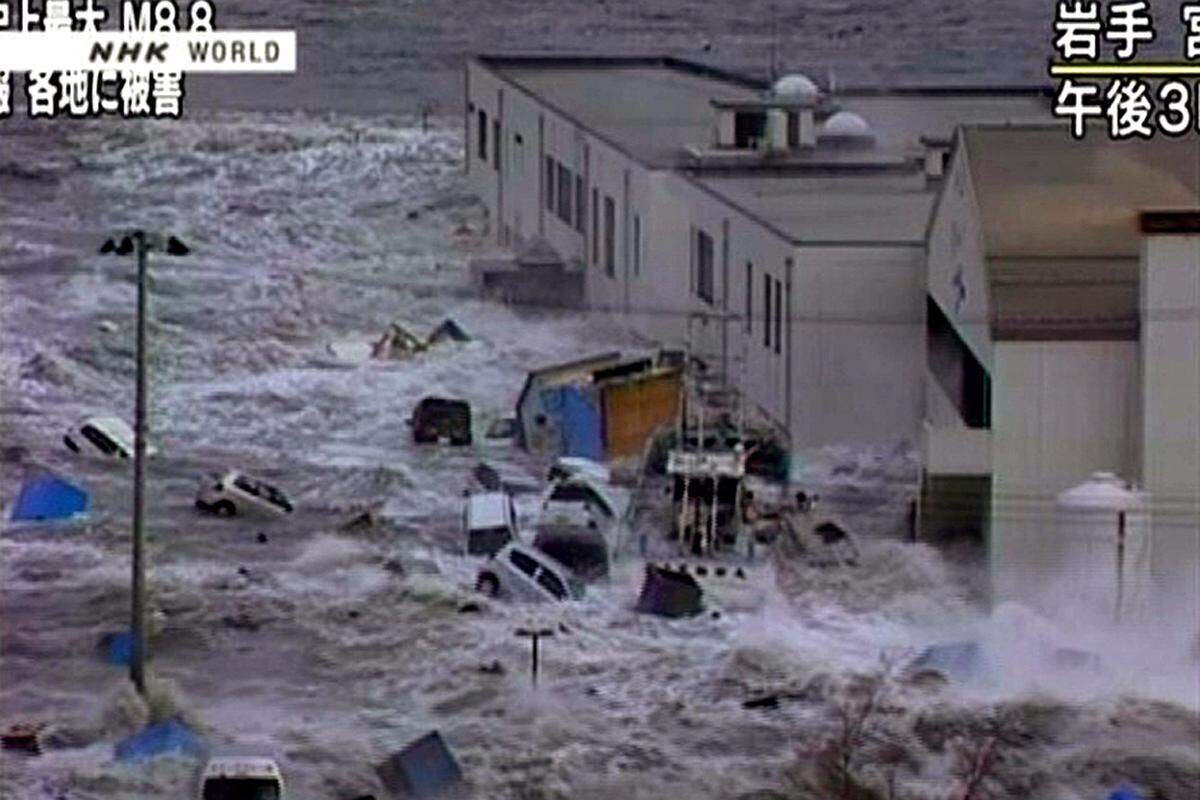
x,y
103,437
489,522
570,466
237,493
580,490
574,538
518,572
437,418
240,778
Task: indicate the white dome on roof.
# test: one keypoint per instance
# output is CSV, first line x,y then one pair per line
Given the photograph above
x,y
845,123
795,85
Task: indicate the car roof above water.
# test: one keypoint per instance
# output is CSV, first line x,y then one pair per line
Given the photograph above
x,y
487,509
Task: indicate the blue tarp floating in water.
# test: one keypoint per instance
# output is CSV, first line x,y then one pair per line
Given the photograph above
x,y
49,497
165,738
117,648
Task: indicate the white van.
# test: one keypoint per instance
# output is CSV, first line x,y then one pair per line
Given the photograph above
x,y
103,437
240,778
489,523
524,573
237,493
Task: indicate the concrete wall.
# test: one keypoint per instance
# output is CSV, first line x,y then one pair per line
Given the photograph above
x,y
1170,310
1061,411
516,195
1170,346
957,271
725,340
858,368
484,92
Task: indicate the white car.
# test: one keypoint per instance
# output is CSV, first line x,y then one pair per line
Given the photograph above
x,y
579,490
518,572
570,466
237,493
240,778
103,437
489,522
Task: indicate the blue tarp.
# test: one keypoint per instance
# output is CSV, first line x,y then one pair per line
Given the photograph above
x,y
170,737
117,648
579,421
1126,793
48,497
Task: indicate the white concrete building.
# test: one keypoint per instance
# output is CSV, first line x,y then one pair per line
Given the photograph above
x,y
1064,339
783,233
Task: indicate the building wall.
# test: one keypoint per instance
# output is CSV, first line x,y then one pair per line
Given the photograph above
x,y
858,368
484,92
516,195
1170,310
720,331
1061,411
957,271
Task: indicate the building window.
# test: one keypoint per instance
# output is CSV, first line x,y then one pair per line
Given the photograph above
x,y
637,244
595,225
496,146
767,311
749,127
579,203
550,178
564,194
705,274
778,317
748,323
610,236
482,126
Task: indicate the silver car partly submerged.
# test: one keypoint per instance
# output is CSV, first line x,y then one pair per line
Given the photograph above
x,y
518,572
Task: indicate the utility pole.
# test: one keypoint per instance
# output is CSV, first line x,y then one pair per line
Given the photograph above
x,y
142,243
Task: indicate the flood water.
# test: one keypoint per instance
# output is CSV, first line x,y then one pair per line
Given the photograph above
x,y
319,210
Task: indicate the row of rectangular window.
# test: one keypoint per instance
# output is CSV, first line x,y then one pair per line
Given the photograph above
x,y
566,204
704,285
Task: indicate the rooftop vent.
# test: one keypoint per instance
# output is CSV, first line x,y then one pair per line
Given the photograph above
x,y
846,125
795,86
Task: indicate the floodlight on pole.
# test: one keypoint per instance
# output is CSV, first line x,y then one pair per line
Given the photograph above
x,y
143,244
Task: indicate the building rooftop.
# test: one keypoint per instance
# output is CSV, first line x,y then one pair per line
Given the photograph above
x,y
1061,224
652,107
880,209
648,110
1044,194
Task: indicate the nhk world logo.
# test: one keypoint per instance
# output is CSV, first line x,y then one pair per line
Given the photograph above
x,y
73,66
218,51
